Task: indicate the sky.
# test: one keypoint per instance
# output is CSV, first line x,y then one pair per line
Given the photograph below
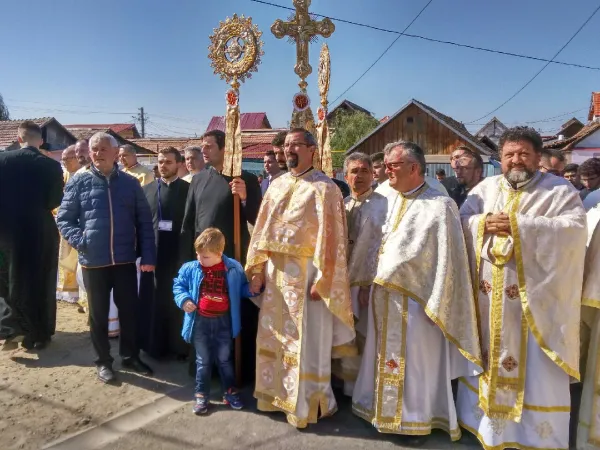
x,y
85,61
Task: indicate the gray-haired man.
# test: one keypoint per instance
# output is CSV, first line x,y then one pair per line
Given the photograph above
x,y
106,218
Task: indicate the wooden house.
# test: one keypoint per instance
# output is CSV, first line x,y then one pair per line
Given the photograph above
x,y
492,131
345,106
437,134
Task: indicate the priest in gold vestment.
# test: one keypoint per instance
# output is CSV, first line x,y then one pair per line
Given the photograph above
x,y
526,235
588,430
422,323
67,288
365,214
298,252
131,166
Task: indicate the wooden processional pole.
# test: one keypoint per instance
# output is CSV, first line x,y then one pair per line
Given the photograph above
x,y
235,53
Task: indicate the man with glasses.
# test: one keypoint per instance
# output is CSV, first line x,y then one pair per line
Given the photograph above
x,y
589,173
552,161
422,325
67,288
298,253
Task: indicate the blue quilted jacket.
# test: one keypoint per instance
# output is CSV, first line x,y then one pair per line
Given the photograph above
x,y
107,219
187,287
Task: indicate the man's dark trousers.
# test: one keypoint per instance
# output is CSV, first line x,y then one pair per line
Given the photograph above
x,y
122,280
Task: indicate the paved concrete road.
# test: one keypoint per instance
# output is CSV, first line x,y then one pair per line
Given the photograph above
x,y
225,429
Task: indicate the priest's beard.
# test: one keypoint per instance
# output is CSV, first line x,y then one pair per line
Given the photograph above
x,y
292,161
519,176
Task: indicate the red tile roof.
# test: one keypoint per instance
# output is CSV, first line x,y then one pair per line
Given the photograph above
x,y
248,121
570,143
116,127
255,143
8,129
594,106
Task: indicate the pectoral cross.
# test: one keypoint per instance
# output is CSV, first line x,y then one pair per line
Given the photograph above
x,y
303,30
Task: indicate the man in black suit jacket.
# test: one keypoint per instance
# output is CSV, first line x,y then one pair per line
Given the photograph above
x,y
31,186
210,204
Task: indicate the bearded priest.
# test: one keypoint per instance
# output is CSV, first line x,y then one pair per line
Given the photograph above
x,y
529,299
422,324
298,252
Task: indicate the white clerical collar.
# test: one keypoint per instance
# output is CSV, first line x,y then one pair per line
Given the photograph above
x,y
414,190
168,182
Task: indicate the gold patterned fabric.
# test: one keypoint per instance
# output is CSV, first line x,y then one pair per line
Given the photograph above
x,y
232,165
522,399
299,241
588,431
422,325
143,174
67,288
543,212
322,158
431,267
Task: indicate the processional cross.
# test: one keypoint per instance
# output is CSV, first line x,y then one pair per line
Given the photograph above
x,y
302,29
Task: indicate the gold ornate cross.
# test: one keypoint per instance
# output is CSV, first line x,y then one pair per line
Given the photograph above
x,y
303,30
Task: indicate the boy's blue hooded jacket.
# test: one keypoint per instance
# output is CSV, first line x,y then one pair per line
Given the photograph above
x,y
187,286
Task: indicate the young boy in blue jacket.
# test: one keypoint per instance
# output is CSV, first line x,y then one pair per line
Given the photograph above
x,y
209,290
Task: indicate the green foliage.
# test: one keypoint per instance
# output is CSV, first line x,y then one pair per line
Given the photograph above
x,y
337,159
4,114
349,128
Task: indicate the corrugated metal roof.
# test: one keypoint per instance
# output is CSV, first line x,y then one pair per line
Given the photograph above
x,y
248,121
116,127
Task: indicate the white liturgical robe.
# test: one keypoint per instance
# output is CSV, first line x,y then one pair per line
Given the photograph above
x,y
422,323
588,430
528,288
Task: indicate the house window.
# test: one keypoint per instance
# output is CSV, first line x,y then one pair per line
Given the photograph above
x,y
409,120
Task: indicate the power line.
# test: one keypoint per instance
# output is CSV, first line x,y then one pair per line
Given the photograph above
x,y
438,41
542,69
384,52
53,110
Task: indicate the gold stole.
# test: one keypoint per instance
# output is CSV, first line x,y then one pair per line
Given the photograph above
x,y
502,396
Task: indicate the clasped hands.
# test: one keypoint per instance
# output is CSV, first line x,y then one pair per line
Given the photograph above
x,y
498,224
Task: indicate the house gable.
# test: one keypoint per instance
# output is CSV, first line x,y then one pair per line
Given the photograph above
x,y
433,131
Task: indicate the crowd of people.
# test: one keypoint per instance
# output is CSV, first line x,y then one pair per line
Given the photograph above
x,y
434,303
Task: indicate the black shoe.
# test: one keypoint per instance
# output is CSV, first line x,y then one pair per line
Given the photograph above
x,y
137,365
105,374
28,343
40,345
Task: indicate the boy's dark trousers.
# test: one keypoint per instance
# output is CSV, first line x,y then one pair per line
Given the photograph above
x,y
122,280
213,344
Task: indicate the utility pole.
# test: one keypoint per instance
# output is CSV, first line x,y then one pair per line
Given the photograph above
x,y
141,118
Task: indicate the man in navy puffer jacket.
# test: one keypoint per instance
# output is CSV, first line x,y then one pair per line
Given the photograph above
x,y
105,216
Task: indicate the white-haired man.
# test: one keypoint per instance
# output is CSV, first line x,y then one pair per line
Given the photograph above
x,y
131,166
365,215
422,324
105,216
194,162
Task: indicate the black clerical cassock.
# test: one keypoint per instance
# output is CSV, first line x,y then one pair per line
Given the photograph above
x,y
160,318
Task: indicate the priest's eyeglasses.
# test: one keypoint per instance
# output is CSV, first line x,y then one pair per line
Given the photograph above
x,y
294,144
394,164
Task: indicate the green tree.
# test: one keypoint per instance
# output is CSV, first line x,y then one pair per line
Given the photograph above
x,y
349,128
4,114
